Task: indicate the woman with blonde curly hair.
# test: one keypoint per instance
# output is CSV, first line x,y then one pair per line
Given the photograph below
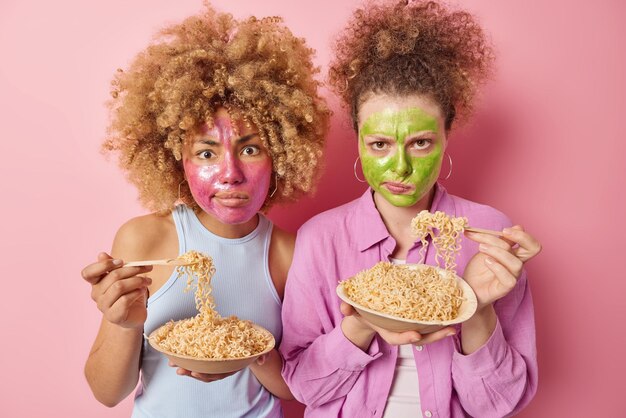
x,y
407,70
214,122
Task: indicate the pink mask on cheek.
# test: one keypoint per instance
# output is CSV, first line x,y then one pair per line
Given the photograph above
x,y
231,189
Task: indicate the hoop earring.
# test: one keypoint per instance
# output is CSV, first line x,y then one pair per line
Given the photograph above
x,y
180,184
449,172
275,184
355,175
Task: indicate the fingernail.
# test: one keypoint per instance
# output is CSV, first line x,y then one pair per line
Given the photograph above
x,y
148,280
483,247
489,260
507,231
118,262
451,333
415,340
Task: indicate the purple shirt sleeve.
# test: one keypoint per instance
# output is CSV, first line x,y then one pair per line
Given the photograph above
x,y
321,364
500,378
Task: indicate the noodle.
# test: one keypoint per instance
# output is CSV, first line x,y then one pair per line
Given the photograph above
x,y
208,335
405,292
447,240
424,294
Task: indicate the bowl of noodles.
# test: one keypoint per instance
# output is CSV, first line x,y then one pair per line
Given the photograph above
x,y
209,343
416,297
226,347
409,297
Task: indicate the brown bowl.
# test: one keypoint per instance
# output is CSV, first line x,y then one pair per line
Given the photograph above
x,y
211,366
397,324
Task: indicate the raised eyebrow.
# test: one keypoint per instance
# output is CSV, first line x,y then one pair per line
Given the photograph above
x,y
209,142
214,143
246,138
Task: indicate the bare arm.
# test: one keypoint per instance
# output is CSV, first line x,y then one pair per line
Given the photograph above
x,y
268,369
112,368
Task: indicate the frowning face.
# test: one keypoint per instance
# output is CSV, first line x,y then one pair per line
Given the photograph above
x,y
228,169
401,145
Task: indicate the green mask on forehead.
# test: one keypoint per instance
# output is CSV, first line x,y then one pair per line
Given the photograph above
x,y
399,166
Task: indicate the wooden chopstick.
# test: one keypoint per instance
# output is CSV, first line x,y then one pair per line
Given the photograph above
x,y
165,262
484,231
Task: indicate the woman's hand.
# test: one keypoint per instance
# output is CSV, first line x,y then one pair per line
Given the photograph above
x,y
119,292
360,331
207,378
203,377
493,271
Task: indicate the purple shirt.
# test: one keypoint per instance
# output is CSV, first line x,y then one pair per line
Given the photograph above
x,y
334,378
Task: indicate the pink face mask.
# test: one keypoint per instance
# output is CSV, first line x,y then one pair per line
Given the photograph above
x,y
229,175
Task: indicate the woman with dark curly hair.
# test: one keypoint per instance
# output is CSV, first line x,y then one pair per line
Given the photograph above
x,y
215,121
407,71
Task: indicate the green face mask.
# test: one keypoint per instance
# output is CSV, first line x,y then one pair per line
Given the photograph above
x,y
400,162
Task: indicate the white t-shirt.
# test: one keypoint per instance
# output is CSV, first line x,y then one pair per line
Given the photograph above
x,y
404,396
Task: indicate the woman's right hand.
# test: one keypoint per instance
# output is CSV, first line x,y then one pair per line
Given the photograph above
x,y
358,329
119,292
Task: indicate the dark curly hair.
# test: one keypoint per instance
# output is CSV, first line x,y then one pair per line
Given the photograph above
x,y
254,67
411,47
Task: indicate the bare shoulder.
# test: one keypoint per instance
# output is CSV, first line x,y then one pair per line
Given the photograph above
x,y
282,245
145,236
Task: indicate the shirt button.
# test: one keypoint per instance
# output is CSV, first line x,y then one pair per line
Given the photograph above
x,y
428,414
419,347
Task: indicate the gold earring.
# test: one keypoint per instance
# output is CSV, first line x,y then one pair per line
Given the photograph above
x,y
275,184
449,172
355,175
180,184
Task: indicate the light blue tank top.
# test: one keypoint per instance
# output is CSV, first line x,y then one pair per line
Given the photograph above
x,y
242,286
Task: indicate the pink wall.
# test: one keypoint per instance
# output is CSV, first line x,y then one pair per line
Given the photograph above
x,y
546,147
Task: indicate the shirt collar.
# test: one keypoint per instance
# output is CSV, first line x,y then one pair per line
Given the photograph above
x,y
369,228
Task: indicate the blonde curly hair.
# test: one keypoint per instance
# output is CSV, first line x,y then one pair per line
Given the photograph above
x,y
411,47
256,68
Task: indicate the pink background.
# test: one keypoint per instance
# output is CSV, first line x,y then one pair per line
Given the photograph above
x,y
546,147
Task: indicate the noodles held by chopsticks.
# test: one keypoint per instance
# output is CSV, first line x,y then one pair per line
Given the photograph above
x,y
447,239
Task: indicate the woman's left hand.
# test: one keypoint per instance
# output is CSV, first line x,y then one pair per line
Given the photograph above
x,y
493,271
